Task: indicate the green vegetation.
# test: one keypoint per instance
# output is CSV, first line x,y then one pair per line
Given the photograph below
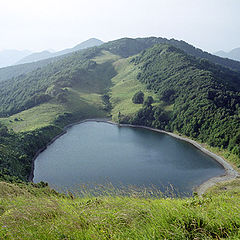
x,y
33,118
148,101
125,85
50,82
138,97
18,149
205,97
180,93
17,70
123,47
35,212
24,133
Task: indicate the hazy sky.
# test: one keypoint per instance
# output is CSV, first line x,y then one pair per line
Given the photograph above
x,y
44,24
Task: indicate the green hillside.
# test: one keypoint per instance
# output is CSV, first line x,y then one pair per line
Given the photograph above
x,y
182,94
124,47
204,97
191,96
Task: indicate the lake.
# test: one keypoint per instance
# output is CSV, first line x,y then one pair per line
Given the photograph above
x,y
101,153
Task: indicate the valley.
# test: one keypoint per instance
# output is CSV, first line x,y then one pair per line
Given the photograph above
x,y
183,94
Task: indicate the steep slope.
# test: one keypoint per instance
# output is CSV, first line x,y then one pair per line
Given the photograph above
x,y
127,47
7,73
92,42
48,83
191,96
71,92
204,97
233,54
124,47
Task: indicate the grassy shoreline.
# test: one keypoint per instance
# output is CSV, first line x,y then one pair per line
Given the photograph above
x,y
230,172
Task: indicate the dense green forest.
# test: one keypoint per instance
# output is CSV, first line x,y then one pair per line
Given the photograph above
x,y
31,88
165,84
205,97
42,85
18,149
190,95
125,47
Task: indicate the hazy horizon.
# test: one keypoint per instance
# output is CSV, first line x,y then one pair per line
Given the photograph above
x,y
41,25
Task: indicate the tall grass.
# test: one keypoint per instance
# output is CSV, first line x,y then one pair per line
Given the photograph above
x,y
47,215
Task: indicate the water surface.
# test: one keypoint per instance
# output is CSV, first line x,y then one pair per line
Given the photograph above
x,y
98,152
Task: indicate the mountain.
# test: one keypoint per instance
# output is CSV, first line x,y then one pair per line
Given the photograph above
x,y
183,93
233,54
9,57
221,54
125,47
201,94
92,42
16,70
35,57
192,96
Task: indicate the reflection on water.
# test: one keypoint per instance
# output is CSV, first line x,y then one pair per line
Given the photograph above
x,y
97,152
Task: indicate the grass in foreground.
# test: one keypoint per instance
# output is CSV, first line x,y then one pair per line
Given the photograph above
x,y
31,213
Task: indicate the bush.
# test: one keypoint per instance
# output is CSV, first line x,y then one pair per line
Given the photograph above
x,y
148,101
138,97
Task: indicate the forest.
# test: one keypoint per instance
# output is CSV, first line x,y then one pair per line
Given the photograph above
x,y
192,96
205,97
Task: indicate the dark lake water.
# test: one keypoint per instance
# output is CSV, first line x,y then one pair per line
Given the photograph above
x,y
99,153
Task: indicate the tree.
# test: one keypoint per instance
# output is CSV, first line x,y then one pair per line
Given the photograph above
x,y
138,97
3,131
148,101
168,95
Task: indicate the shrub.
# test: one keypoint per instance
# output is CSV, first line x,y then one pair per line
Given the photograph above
x,y
138,97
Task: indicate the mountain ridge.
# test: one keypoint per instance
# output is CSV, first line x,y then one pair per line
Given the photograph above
x,y
92,42
10,56
122,46
190,95
233,54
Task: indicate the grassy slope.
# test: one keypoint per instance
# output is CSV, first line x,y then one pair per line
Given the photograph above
x,y
31,213
33,118
83,101
83,105
86,102
125,85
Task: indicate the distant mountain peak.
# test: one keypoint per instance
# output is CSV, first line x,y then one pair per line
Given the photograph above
x,y
11,56
233,54
92,42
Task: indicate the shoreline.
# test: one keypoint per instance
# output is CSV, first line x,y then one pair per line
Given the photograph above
x,y
230,172
31,175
